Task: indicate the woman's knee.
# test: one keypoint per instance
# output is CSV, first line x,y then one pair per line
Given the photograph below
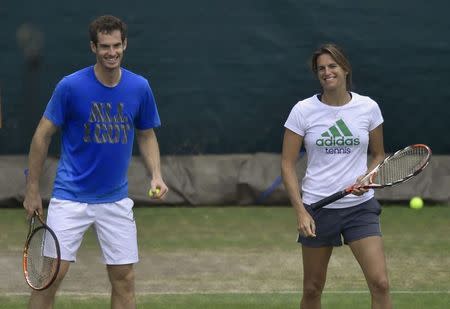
x,y
379,286
313,289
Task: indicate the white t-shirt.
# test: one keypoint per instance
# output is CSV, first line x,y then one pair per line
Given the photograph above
x,y
336,139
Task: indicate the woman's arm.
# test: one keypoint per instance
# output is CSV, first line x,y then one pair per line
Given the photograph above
x,y
292,143
376,147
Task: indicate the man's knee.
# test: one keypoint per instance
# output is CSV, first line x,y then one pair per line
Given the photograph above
x,y
45,298
121,276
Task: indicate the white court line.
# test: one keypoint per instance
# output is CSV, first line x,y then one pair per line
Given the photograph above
x,y
232,292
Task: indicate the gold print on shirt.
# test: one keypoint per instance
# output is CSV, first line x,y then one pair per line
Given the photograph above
x,y
104,128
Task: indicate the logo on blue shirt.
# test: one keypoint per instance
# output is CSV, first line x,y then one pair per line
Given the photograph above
x,y
103,127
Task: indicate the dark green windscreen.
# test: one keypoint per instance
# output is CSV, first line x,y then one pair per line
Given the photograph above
x,y
225,74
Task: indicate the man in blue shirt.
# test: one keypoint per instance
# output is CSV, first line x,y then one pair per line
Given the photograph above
x,y
98,110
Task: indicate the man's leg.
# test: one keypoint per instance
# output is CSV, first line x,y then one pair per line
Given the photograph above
x,y
44,299
122,283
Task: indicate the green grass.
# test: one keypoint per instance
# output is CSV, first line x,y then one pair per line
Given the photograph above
x,y
219,228
246,228
206,255
244,301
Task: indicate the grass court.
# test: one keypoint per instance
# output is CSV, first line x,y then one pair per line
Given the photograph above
x,y
242,257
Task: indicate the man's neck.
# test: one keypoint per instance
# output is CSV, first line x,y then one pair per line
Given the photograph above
x,y
109,78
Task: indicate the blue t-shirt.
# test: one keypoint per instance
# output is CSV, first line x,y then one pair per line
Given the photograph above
x,y
97,124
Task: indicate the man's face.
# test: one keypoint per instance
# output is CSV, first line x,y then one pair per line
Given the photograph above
x,y
109,50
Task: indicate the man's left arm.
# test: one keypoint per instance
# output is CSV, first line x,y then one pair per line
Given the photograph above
x,y
149,149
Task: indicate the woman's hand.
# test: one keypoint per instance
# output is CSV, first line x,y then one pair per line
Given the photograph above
x,y
306,225
358,189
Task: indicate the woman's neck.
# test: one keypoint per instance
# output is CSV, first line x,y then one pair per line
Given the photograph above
x,y
336,98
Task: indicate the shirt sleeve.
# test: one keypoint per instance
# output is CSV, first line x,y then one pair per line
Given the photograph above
x,y
377,117
56,109
148,116
295,121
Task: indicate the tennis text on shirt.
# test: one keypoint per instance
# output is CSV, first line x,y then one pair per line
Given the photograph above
x,y
336,139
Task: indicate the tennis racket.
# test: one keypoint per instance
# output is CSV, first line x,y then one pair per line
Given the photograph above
x,y
396,168
41,255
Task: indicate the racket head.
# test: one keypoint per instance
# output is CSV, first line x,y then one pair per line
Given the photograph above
x,y
398,167
41,257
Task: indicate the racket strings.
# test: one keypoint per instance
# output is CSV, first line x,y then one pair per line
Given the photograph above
x,y
402,165
41,259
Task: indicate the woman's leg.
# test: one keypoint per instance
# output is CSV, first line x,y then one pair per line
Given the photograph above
x,y
315,264
369,253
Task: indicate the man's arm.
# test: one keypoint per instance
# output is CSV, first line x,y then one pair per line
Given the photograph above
x,y
149,149
36,158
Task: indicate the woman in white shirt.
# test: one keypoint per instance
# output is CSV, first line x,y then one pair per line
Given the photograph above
x,y
337,127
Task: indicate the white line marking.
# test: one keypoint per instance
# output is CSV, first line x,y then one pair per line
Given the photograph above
x,y
88,294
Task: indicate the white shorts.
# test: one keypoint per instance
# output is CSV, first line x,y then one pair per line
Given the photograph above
x,y
113,224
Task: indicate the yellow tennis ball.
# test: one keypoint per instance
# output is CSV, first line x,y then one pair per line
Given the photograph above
x,y
416,203
152,193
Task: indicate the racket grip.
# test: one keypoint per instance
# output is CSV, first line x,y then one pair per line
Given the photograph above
x,y
330,199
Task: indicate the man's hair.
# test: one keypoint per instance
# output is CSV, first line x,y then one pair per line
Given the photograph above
x,y
106,24
338,55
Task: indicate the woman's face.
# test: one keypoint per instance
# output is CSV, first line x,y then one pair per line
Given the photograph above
x,y
330,74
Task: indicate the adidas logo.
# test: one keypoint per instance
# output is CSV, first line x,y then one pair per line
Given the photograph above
x,y
337,135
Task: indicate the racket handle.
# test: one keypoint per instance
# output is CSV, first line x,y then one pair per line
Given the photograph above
x,y
330,199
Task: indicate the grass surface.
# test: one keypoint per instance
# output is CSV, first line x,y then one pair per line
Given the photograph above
x,y
243,301
243,257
